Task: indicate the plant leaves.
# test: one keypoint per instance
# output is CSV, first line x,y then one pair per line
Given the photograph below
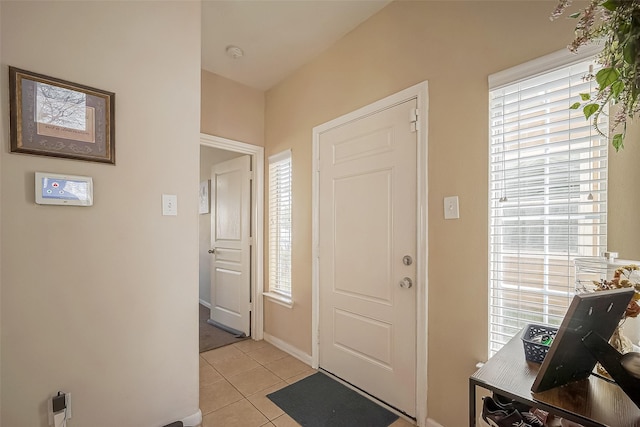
x,y
616,89
590,109
585,96
610,5
575,15
617,141
575,106
606,77
629,52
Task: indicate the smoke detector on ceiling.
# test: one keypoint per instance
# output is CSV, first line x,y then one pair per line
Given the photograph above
x,y
234,52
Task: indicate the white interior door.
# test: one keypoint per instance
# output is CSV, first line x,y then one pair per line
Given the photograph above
x,y
367,251
230,244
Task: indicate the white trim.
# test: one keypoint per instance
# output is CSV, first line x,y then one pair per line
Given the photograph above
x,y
540,65
432,423
288,348
206,304
193,420
257,218
419,92
279,299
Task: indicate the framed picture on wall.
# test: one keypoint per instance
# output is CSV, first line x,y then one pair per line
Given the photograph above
x,y
53,117
204,197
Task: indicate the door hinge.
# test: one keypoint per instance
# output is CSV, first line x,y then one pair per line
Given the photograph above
x,y
251,175
413,119
251,306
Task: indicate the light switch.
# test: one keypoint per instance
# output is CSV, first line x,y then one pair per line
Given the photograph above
x,y
451,210
169,204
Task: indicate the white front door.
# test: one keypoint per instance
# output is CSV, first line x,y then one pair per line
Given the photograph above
x,y
367,252
230,244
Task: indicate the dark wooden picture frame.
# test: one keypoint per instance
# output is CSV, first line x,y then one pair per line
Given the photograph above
x,y
568,359
53,117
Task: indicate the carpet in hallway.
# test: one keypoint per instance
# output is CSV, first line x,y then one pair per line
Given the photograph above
x,y
212,337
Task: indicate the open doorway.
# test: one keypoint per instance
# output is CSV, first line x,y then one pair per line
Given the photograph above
x,y
226,301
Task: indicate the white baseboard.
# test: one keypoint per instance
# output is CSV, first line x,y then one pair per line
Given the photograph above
x,y
288,348
432,423
206,304
193,420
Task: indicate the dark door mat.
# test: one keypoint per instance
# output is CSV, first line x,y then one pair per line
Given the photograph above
x,y
319,401
212,337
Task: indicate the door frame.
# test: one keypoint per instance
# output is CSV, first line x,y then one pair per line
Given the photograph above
x,y
420,93
257,222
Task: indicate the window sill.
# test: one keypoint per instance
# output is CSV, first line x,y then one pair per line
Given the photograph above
x,y
279,299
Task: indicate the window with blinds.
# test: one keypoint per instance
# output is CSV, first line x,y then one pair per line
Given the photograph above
x,y
280,223
547,197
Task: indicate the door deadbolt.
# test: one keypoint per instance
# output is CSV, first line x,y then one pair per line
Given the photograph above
x,y
406,283
407,260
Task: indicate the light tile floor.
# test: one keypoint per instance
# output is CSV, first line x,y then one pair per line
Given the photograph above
x,y
235,381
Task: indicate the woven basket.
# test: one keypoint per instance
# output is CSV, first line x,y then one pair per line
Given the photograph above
x,y
533,351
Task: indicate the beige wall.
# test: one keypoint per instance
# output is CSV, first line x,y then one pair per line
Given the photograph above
x,y
4,120
231,110
209,156
455,46
102,301
624,198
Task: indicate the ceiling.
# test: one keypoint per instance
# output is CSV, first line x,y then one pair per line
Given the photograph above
x,y
277,36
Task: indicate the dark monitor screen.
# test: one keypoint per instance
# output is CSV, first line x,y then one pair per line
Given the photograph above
x,y
568,359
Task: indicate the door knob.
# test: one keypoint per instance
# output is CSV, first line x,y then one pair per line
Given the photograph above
x,y
406,283
212,251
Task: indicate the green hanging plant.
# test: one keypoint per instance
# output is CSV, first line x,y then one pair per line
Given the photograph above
x,y
616,24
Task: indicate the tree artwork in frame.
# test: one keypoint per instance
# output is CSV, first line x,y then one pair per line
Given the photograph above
x,y
53,117
204,197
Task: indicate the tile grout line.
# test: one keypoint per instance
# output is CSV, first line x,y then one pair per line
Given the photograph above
x,y
260,364
225,378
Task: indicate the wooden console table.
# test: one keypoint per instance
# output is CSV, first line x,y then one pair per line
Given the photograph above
x,y
592,402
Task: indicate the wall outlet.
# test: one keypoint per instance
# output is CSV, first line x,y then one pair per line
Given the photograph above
x,y
60,401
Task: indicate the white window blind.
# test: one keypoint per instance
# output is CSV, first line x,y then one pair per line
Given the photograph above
x,y
547,197
280,223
